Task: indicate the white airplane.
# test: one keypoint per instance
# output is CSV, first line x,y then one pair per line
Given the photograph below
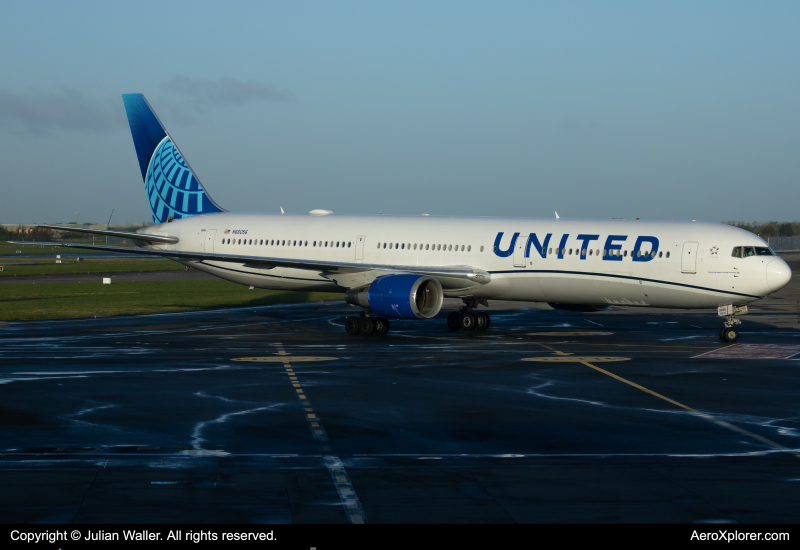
x,y
401,267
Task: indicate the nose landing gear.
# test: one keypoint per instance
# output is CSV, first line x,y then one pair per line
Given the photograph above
x,y
465,319
729,333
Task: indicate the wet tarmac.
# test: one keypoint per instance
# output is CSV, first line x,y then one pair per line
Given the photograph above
x,y
275,415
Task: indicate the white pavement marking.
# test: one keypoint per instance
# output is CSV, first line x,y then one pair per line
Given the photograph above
x,y
752,351
352,506
347,494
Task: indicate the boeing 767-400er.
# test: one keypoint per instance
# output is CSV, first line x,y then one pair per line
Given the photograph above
x,y
401,267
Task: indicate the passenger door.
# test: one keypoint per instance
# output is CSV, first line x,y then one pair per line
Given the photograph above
x,y
210,234
360,247
519,250
689,258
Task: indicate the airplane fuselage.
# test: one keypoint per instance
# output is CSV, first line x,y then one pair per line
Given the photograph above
x,y
590,262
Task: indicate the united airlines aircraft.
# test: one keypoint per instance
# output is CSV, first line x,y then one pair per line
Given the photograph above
x,y
402,267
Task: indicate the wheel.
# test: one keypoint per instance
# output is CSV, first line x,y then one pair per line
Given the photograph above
x,y
731,335
454,321
351,325
381,326
366,325
468,321
722,334
481,321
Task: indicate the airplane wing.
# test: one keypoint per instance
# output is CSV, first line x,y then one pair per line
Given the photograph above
x,y
144,237
346,274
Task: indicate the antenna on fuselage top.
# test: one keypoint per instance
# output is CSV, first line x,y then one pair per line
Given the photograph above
x,y
281,207
557,217
109,219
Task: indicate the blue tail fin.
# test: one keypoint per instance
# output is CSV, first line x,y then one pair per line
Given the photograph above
x,y
172,188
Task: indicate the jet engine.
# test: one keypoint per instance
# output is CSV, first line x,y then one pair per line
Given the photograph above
x,y
400,296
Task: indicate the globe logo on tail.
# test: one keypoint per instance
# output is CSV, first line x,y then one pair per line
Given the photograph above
x,y
172,189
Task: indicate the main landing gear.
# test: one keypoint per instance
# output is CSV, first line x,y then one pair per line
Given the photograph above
x,y
366,325
465,319
728,333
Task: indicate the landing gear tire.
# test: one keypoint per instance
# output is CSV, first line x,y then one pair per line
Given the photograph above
x,y
381,326
468,321
722,334
366,326
351,325
454,321
481,321
730,334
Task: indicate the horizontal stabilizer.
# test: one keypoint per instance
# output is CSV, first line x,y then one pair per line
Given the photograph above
x,y
121,234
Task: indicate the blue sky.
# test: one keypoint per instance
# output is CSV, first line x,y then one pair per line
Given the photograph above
x,y
683,110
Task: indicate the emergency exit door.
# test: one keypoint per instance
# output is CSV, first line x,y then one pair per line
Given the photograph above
x,y
689,258
210,234
360,247
519,251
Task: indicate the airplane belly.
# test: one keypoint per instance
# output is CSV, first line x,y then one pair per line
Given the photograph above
x,y
569,288
272,279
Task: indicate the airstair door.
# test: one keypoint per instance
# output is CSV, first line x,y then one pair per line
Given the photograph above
x,y
689,258
210,234
360,247
519,250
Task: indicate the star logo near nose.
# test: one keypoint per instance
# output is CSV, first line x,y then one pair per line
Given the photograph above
x,y
714,250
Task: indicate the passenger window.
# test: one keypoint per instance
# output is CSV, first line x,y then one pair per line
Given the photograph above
x,y
469,248
348,244
667,254
326,244
438,247
427,247
590,252
625,254
749,251
481,248
451,247
403,246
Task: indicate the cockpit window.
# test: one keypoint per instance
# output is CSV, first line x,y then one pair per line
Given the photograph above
x,y
747,251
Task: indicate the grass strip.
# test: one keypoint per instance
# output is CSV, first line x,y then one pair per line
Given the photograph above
x,y
7,249
47,266
67,300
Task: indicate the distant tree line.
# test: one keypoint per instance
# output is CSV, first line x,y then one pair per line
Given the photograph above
x,y
770,229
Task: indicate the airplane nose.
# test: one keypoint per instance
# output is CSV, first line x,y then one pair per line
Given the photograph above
x,y
778,274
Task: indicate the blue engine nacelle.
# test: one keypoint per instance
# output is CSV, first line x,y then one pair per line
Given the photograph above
x,y
400,296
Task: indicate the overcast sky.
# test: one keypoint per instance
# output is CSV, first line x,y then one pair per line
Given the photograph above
x,y
683,110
